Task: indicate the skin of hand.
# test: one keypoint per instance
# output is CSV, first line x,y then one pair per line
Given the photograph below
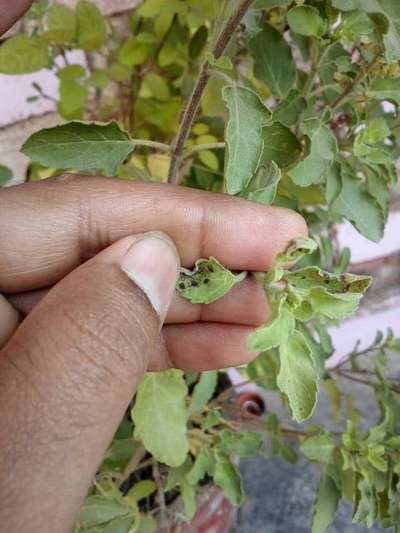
x,y
88,268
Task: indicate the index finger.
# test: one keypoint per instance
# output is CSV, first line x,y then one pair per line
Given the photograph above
x,y
50,227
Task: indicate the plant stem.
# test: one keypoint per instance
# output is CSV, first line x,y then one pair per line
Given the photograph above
x,y
160,493
153,144
358,79
313,71
193,103
200,147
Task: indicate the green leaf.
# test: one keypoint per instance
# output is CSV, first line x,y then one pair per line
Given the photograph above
x,y
247,115
175,475
189,498
203,391
289,110
263,187
198,42
355,24
280,145
73,97
71,72
297,377
358,206
390,10
243,443
385,89
366,509
208,282
23,54
369,146
325,506
81,146
305,20
227,477
98,510
323,148
199,469
160,416
5,175
274,334
147,524
155,86
330,295
319,448
61,24
92,26
141,490
98,79
273,62
132,53
212,419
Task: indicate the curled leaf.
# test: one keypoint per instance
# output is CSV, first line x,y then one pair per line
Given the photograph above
x,y
208,282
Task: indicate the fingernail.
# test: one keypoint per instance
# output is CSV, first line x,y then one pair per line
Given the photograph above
x,y
152,262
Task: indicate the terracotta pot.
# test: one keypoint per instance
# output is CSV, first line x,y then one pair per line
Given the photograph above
x,y
214,515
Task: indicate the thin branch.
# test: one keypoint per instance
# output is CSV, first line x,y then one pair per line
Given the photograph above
x,y
199,147
193,103
152,144
160,494
358,79
134,461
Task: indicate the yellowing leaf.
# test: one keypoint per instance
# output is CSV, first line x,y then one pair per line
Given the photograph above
x,y
92,26
158,165
22,54
209,159
160,416
61,24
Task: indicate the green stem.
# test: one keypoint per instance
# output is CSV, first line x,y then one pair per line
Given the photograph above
x,y
200,147
152,144
316,59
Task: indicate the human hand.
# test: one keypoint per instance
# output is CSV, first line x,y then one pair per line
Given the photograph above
x,y
68,372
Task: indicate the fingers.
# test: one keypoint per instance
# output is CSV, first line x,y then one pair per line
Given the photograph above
x,y
69,372
10,12
49,228
208,346
9,319
245,304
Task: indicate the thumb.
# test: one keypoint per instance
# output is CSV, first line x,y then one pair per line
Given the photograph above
x,y
68,375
